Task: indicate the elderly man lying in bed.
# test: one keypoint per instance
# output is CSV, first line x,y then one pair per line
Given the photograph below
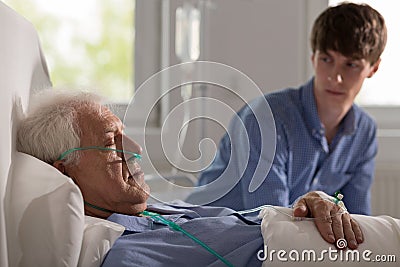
x,y
84,140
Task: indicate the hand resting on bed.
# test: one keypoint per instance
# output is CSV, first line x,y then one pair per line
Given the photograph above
x,y
334,224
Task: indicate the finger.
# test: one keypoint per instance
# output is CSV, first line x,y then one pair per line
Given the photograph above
x,y
323,221
324,226
337,225
300,208
357,231
349,232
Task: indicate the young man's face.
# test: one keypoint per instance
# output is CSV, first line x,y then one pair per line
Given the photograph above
x,y
103,176
338,79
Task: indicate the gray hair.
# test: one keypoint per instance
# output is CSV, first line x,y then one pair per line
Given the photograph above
x,y
51,125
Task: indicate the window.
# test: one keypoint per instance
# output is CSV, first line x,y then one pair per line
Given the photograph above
x,y
382,89
87,44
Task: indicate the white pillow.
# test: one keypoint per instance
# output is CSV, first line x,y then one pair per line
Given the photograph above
x,y
381,234
98,237
45,220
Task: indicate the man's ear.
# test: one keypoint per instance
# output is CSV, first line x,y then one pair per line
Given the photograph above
x,y
59,165
374,68
313,60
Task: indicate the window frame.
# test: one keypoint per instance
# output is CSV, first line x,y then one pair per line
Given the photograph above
x,y
151,46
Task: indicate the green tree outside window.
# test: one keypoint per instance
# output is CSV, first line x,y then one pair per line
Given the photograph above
x,y
87,44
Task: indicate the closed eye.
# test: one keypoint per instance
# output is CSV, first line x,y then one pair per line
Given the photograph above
x,y
110,142
111,145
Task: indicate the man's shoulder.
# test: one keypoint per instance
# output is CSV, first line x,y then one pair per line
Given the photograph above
x,y
285,105
283,98
287,98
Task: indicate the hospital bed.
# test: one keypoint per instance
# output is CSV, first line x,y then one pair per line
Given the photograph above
x,y
42,221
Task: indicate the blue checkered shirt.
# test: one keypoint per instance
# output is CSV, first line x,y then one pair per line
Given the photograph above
x,y
303,161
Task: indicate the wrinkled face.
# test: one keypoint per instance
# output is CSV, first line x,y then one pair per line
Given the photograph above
x,y
338,79
103,176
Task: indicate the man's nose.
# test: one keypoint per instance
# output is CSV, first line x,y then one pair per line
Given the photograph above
x,y
335,75
130,145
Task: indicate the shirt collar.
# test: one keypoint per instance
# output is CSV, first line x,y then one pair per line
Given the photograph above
x,y
349,121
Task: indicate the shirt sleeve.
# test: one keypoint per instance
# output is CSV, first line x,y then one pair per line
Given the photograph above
x,y
272,181
276,182
245,157
357,192
219,163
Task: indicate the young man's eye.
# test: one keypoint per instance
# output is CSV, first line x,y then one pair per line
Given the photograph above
x,y
325,59
352,65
